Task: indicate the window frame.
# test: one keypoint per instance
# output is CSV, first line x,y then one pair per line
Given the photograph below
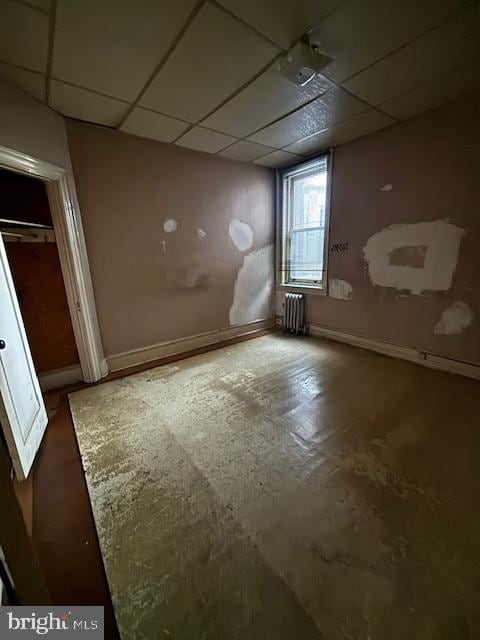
x,y
284,234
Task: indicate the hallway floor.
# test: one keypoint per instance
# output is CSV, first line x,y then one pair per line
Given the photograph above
x,y
284,488
64,534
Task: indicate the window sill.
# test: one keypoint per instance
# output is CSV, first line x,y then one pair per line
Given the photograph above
x,y
303,288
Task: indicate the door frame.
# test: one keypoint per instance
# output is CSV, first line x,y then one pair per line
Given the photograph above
x,y
67,225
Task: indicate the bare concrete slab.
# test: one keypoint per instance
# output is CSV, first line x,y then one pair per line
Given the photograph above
x,y
287,488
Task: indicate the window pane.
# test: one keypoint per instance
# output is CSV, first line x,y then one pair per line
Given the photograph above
x,y
306,255
308,201
304,218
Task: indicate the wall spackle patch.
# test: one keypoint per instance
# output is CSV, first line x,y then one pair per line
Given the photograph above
x,y
241,234
339,289
252,295
457,317
438,241
170,225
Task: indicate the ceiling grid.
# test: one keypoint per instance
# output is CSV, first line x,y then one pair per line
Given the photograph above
x,y
51,44
202,74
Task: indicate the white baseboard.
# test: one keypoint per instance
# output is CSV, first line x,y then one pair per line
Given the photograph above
x,y
424,358
103,367
175,347
60,377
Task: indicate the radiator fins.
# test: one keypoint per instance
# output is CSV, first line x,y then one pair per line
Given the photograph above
x,y
293,319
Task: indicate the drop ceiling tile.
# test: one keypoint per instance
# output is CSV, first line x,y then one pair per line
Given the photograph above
x,y
336,105
205,140
215,57
278,159
269,97
245,151
23,35
156,126
113,46
361,32
453,45
356,127
32,83
86,105
283,21
434,94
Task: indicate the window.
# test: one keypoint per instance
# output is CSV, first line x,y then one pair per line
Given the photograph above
x,y
303,223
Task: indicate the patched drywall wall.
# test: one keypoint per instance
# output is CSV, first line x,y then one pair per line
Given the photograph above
x,y
339,289
405,233
241,234
414,257
180,242
170,225
457,317
252,296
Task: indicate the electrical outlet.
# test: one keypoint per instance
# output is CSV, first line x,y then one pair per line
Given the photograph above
x,y
279,320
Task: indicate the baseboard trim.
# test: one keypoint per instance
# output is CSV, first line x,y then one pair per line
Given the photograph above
x,y
104,367
424,358
136,357
60,377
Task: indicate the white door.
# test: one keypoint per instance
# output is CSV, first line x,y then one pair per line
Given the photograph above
x,y
22,412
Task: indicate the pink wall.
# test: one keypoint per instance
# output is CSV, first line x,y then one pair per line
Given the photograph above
x,y
432,163
148,292
152,286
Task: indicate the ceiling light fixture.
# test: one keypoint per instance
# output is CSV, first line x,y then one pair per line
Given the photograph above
x,y
302,63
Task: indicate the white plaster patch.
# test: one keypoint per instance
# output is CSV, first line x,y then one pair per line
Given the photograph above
x,y
441,241
454,319
170,225
340,289
387,187
252,294
241,234
201,234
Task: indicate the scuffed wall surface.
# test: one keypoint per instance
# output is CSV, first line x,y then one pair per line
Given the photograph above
x,y
164,254
416,173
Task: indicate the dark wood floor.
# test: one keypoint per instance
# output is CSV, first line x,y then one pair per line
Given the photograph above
x,y
64,531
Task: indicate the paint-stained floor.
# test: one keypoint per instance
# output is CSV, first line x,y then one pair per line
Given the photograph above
x,y
287,488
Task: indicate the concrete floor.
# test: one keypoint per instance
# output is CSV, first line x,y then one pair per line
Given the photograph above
x,y
287,488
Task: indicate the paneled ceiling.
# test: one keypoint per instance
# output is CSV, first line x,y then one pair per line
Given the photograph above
x,y
201,74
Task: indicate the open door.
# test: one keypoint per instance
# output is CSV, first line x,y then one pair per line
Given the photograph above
x,y
22,412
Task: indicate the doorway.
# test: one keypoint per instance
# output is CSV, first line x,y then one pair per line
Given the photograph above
x,y
22,411
27,230
72,254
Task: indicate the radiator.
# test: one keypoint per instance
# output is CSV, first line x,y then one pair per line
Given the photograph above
x,y
294,313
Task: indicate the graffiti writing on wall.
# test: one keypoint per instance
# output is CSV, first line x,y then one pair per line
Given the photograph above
x,y
340,247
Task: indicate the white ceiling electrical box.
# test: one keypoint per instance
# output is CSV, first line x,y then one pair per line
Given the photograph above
x,y
302,63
